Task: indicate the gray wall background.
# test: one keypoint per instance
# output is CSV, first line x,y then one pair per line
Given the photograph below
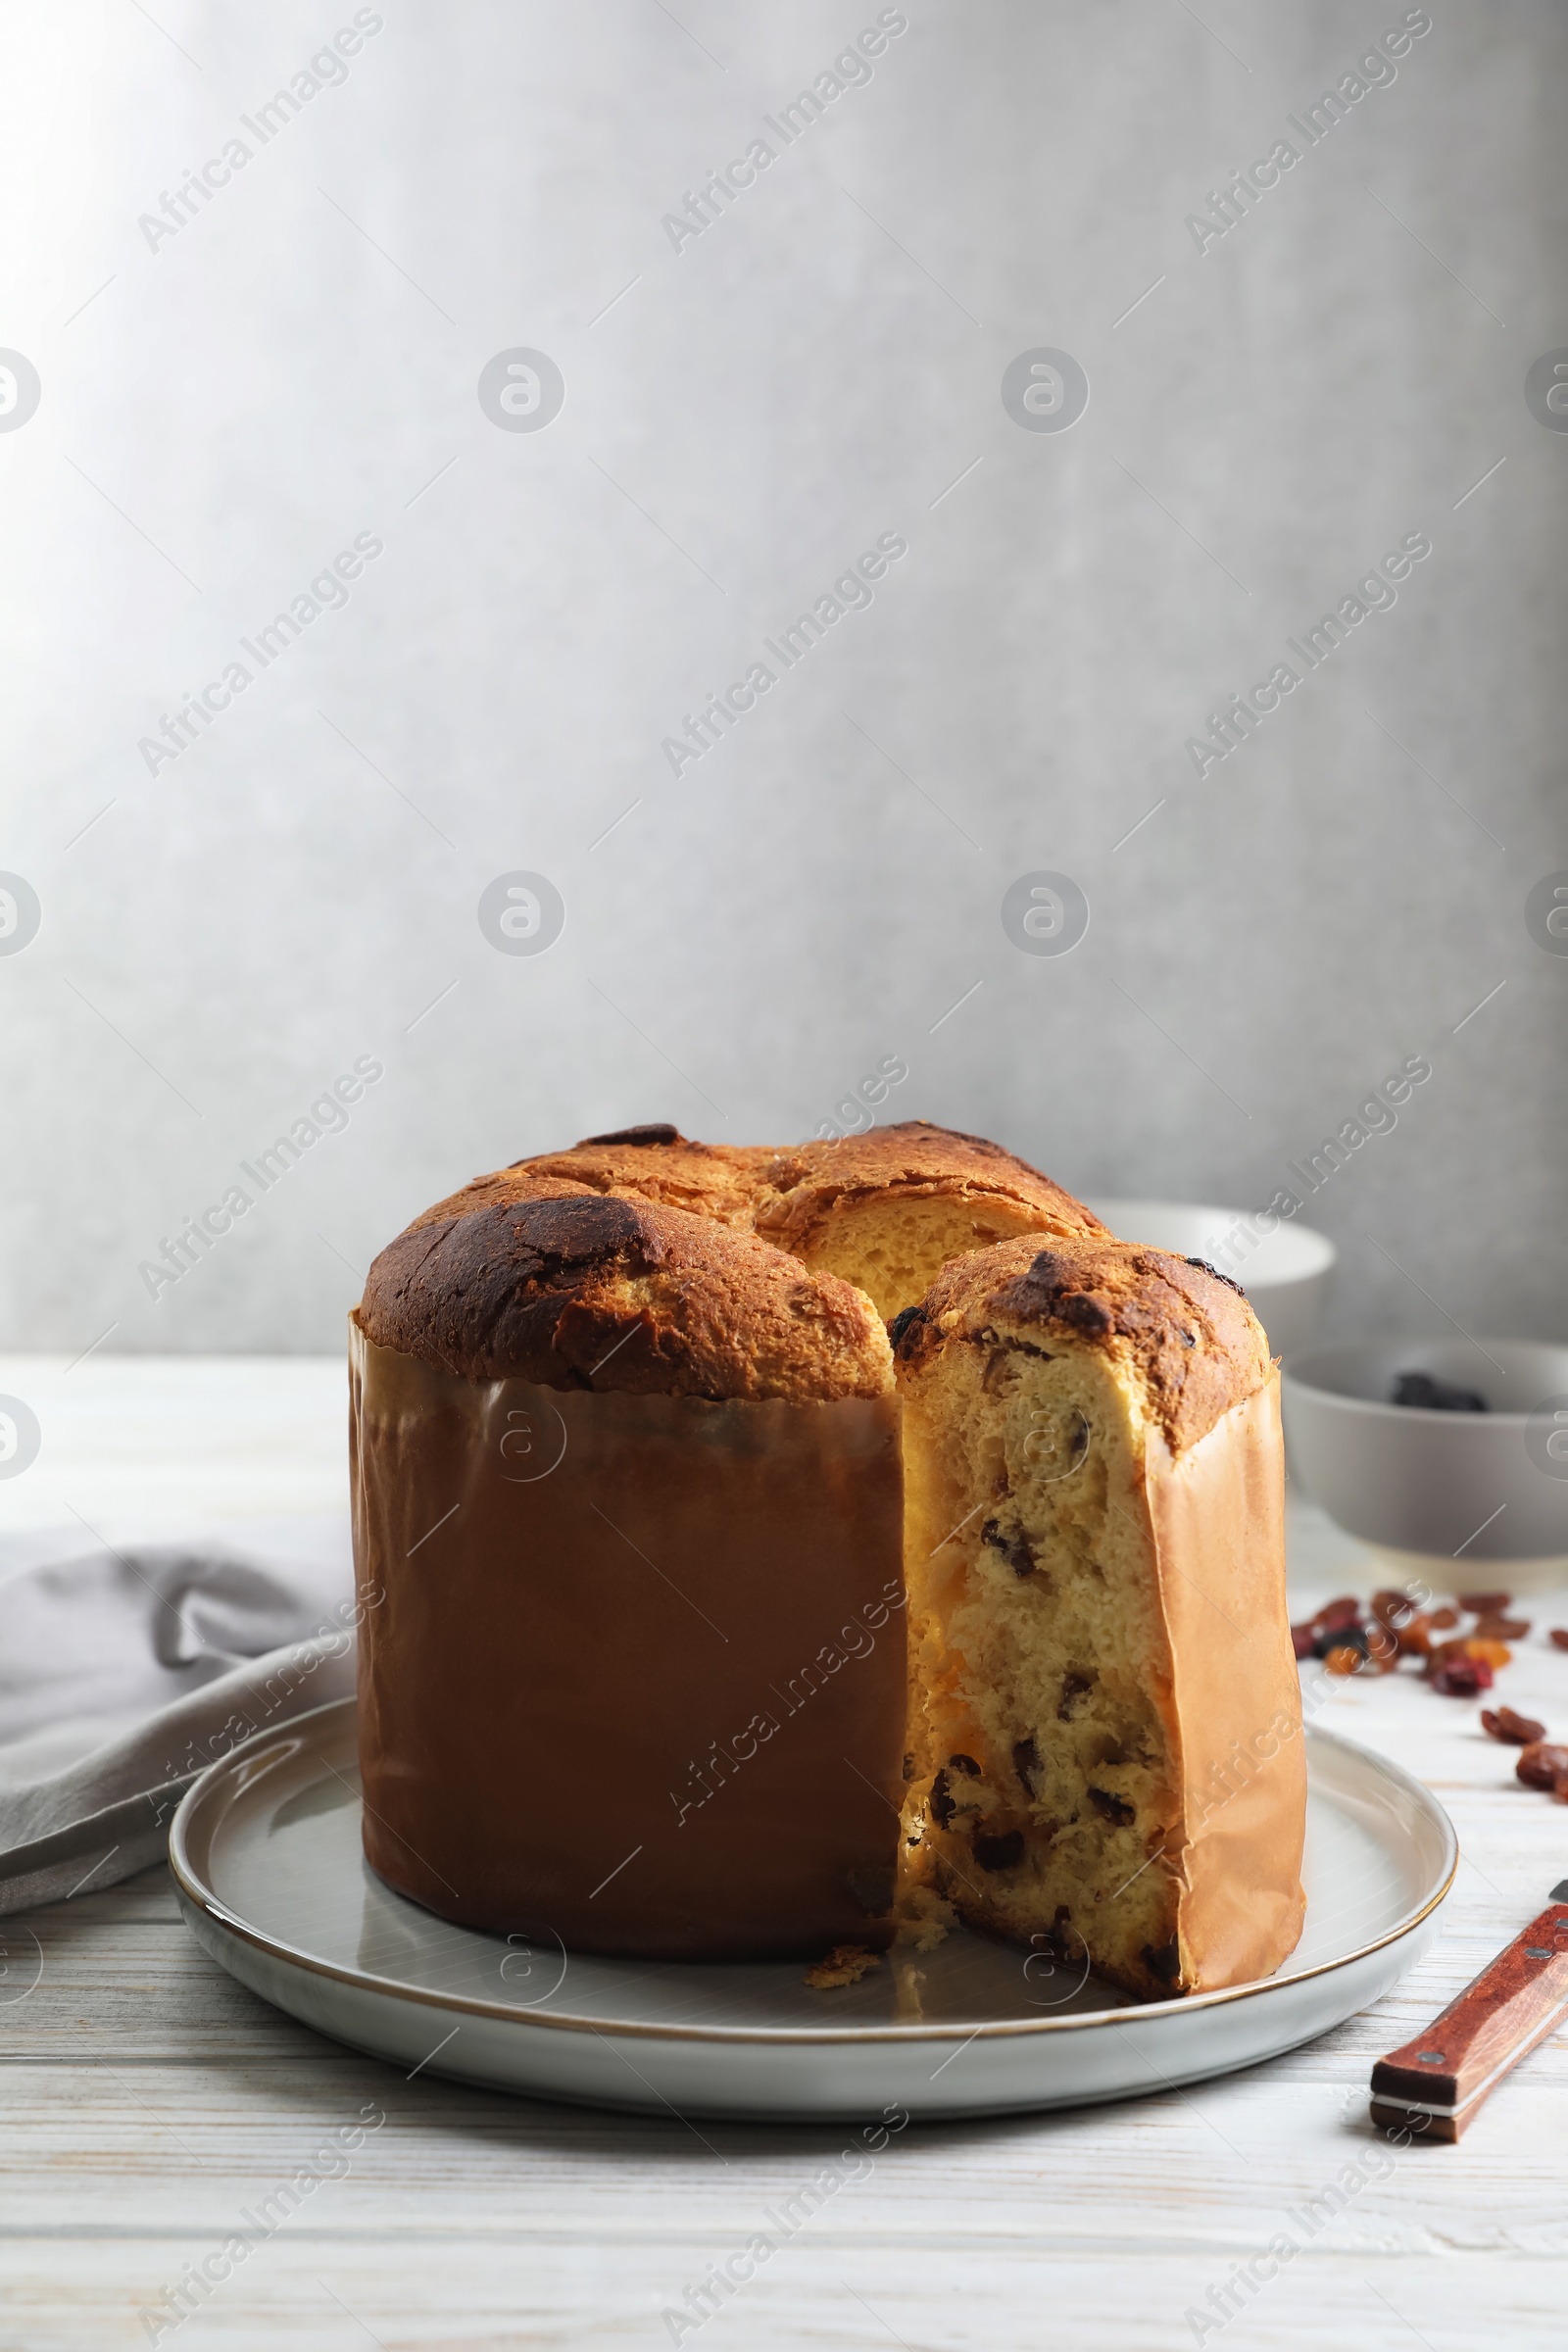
x,y
297,365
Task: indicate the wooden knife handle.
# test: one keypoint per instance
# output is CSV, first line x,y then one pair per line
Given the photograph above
x,y
1434,2084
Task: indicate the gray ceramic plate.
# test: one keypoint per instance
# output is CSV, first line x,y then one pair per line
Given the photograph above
x,y
265,1855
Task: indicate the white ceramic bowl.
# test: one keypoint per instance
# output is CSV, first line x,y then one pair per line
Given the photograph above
x,y
1464,1499
1284,1273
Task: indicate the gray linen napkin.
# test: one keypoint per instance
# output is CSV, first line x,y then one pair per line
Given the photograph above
x,y
125,1673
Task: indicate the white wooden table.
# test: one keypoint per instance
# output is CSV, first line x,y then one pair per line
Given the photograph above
x,y
148,2101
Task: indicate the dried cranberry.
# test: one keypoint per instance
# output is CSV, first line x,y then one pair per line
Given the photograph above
x,y
1303,1640
1462,1678
1503,1724
1542,1764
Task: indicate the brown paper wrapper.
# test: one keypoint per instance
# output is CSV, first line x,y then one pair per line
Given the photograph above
x,y
631,1668
1234,1708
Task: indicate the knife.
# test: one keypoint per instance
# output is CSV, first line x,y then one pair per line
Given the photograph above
x,y
1433,2085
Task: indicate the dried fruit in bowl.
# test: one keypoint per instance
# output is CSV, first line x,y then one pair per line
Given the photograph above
x,y
1435,1396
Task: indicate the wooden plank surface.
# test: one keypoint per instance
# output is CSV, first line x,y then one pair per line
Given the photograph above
x,y
150,2104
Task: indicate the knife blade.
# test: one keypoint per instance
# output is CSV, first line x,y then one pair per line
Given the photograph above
x,y
1435,2085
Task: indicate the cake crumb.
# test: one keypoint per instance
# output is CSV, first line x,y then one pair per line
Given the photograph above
x,y
846,1964
925,1918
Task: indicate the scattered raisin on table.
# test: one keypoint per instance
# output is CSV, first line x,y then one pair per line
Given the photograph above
x,y
1415,1635
1503,1724
1542,1765
1492,1655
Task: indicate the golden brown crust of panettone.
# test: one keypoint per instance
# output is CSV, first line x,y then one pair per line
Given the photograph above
x,y
660,1163
495,1192
790,1196
1188,1332
576,1289
808,1187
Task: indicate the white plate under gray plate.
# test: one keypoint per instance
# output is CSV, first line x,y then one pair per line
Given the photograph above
x,y
265,1855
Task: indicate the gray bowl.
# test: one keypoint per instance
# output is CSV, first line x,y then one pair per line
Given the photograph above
x,y
1451,1496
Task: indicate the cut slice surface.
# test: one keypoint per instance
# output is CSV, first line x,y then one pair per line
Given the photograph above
x,y
1097,1614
